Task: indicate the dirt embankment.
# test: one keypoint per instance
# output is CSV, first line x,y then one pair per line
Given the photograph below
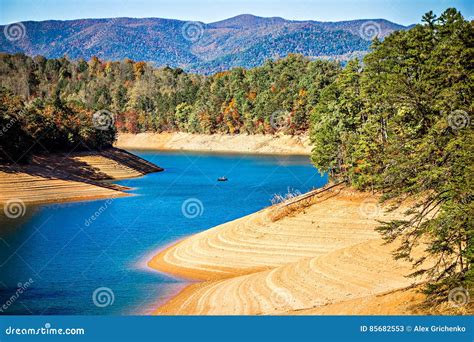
x,y
240,143
70,177
310,261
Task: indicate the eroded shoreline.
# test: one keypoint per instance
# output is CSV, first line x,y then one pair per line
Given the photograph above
x,y
222,143
305,262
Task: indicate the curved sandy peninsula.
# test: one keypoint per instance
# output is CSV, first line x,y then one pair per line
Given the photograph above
x,y
325,253
67,177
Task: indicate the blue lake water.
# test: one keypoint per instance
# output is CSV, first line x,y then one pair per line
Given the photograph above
x,y
68,255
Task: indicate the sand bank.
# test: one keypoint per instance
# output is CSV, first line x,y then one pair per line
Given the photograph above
x,y
323,254
241,143
70,177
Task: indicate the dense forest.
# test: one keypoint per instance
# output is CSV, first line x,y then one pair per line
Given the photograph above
x,y
398,122
142,98
401,123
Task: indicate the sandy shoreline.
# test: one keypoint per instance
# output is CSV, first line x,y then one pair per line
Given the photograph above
x,y
70,177
306,263
242,143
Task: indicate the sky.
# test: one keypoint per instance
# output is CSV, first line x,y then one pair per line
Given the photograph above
x,y
400,11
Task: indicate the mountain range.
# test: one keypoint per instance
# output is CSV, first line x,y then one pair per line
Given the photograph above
x,y
244,40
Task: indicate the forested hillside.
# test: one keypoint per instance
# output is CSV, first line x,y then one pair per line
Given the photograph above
x,y
401,123
275,97
46,126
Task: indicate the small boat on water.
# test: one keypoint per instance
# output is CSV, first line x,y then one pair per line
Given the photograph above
x,y
222,179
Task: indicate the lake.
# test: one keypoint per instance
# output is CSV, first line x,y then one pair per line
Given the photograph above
x,y
59,255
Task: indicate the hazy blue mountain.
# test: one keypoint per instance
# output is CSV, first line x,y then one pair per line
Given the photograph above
x,y
244,40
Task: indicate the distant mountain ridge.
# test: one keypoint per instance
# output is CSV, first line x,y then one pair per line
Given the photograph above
x,y
245,40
